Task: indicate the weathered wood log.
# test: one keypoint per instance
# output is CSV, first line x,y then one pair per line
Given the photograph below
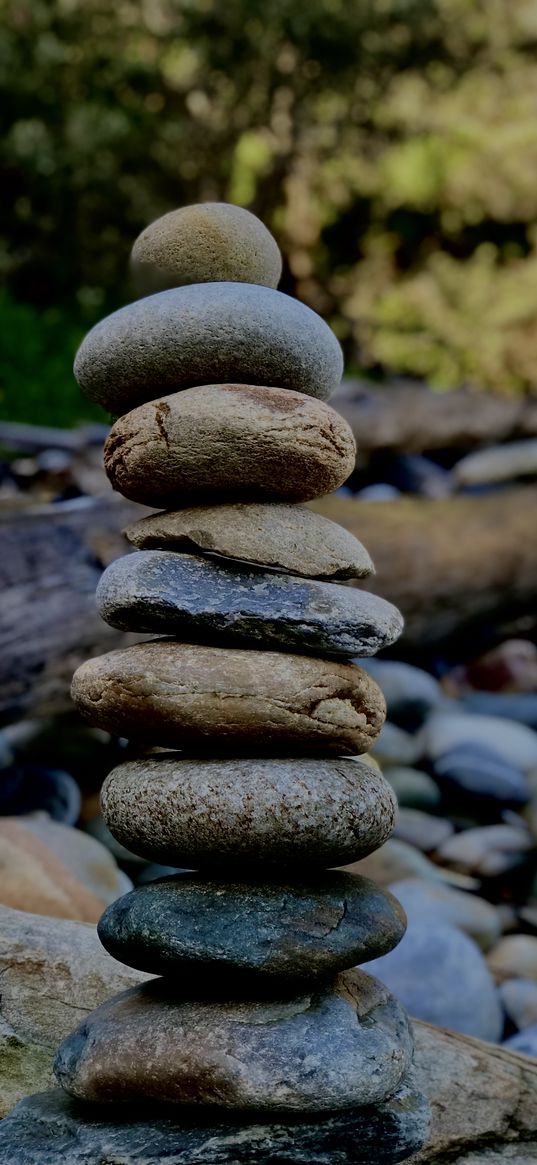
x,y
407,416
51,559
483,1098
457,567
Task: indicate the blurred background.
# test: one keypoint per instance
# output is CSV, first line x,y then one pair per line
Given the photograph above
x,y
391,145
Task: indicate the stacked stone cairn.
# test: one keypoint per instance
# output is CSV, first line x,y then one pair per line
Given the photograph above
x,y
259,1039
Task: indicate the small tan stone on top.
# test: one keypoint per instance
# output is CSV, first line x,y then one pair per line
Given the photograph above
x,y
205,243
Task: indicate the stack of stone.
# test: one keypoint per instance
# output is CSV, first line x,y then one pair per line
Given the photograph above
x,y
269,1048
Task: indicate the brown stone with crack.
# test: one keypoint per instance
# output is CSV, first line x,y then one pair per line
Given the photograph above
x,y
219,700
229,441
248,812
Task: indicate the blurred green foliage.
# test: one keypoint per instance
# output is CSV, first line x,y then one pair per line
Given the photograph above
x,y
390,144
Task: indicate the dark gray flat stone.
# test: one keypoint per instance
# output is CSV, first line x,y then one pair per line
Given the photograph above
x,y
207,333
50,1129
183,595
304,929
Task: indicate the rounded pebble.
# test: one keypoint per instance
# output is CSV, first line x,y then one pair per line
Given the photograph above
x,y
441,977
192,813
203,243
230,700
229,441
291,930
207,333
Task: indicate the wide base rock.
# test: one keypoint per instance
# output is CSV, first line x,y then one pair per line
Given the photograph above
x,y
50,1129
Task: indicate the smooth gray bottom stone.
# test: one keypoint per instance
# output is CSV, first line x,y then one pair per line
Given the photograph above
x,y
50,1129
181,594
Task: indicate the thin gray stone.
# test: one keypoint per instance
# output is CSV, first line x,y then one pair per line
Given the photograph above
x,y
199,598
207,333
49,1128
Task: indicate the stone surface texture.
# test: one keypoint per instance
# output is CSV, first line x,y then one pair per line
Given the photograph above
x,y
204,334
229,441
208,601
266,1055
288,538
230,700
299,812
293,930
388,1132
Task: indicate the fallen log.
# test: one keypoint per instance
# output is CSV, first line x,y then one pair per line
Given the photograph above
x,y
53,972
408,417
457,567
51,559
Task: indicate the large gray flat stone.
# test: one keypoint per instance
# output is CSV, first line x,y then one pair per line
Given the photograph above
x,y
50,1129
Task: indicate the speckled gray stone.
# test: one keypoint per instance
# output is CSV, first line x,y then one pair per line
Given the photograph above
x,y
384,1133
203,334
231,813
229,442
205,242
256,931
230,700
209,601
288,538
266,1054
